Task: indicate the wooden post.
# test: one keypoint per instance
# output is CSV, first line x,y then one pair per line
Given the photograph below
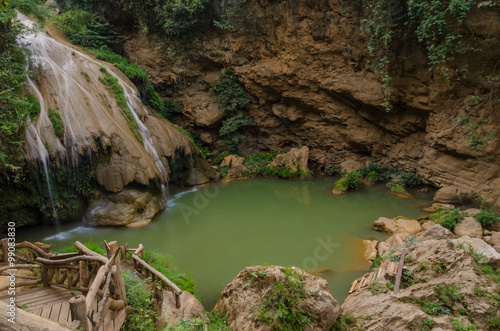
x,y
111,248
45,275
5,246
79,311
84,273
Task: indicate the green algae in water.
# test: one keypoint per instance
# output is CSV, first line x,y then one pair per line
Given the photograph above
x,y
216,231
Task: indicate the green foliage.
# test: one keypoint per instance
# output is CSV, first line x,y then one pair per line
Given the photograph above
x,y
428,324
132,71
85,29
112,85
448,218
281,309
140,312
459,326
439,267
494,322
432,22
57,123
349,180
163,264
343,323
381,258
93,246
214,322
334,170
37,8
232,100
487,217
166,108
237,15
372,176
449,293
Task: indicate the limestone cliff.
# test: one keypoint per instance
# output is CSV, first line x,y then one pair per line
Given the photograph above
x,y
310,77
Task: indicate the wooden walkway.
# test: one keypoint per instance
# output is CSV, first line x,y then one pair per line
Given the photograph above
x,y
48,302
373,277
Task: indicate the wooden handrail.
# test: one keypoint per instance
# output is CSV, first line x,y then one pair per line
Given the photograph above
x,y
70,259
20,266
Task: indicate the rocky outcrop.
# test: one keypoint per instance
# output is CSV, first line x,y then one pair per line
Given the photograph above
x,y
375,308
128,208
393,226
370,249
231,161
295,160
436,232
469,227
311,78
480,246
243,298
190,308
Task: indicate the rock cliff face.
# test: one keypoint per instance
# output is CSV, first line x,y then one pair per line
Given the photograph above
x,y
310,78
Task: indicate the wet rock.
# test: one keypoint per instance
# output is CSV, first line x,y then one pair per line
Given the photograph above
x,y
392,226
492,256
400,192
190,308
469,227
435,232
231,161
128,208
241,298
448,195
370,249
294,160
194,177
438,206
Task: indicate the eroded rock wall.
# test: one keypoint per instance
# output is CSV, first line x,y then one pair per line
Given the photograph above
x,y
310,78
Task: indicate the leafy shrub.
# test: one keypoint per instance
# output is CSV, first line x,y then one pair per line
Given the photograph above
x,y
372,176
350,180
132,71
85,29
57,124
487,217
140,312
448,218
281,307
32,7
494,322
232,100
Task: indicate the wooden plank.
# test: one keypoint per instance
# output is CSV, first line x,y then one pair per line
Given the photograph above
x,y
54,313
46,311
59,300
353,286
37,311
46,298
65,313
371,277
400,272
119,319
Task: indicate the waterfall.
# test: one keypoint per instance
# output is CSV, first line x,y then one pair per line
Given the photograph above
x,y
70,85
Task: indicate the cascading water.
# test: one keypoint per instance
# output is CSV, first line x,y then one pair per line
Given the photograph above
x,y
93,123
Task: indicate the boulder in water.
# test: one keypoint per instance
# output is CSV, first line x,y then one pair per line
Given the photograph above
x,y
392,226
128,208
232,161
295,160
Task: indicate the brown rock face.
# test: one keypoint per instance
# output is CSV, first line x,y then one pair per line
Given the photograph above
x,y
391,226
310,78
231,161
294,160
469,227
241,299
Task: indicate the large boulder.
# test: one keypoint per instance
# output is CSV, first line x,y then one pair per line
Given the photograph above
x,y
435,232
231,161
494,241
480,246
448,195
129,208
294,160
374,307
469,227
392,243
392,226
190,308
243,298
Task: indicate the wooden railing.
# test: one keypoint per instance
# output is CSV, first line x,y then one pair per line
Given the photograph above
x,y
143,268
